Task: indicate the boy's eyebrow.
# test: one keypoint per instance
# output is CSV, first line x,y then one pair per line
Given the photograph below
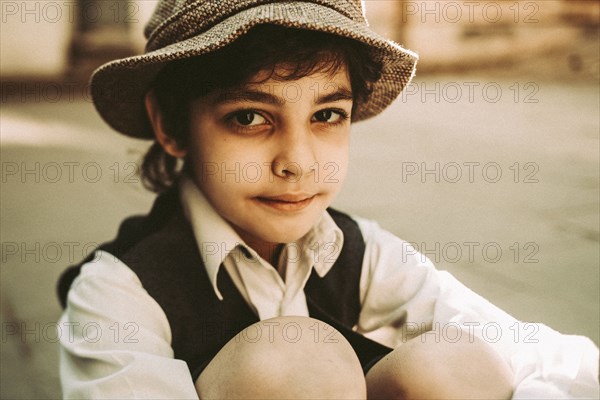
x,y
259,96
246,94
341,94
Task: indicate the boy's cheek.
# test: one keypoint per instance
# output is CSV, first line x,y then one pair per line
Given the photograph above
x,y
332,171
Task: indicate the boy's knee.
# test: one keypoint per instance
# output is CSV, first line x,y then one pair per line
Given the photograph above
x,y
292,357
467,368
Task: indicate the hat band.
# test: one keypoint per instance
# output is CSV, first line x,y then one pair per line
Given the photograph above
x,y
199,16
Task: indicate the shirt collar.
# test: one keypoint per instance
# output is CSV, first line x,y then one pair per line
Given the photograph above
x,y
322,245
214,236
216,239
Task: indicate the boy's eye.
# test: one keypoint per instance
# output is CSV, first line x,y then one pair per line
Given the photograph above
x,y
249,118
329,116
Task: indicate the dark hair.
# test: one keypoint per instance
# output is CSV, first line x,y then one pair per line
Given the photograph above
x,y
262,48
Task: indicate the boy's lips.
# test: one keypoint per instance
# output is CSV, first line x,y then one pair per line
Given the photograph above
x,y
287,202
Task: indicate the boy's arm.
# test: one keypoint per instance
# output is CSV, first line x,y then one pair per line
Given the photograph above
x,y
119,339
545,363
403,295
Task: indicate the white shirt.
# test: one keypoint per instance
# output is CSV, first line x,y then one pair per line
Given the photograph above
x,y
119,340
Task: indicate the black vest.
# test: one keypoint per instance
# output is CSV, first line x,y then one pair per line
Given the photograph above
x,y
161,249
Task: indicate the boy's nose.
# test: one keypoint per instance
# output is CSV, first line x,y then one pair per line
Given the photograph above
x,y
295,157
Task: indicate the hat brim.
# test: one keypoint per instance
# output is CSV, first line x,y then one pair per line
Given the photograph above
x,y
118,88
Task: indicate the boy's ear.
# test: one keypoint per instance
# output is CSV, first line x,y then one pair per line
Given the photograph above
x,y
156,120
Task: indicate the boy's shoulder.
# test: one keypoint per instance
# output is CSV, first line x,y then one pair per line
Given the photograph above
x,y
130,232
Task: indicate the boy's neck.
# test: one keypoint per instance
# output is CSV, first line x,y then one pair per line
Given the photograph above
x,y
270,252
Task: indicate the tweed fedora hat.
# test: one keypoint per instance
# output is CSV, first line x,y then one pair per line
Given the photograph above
x,y
187,28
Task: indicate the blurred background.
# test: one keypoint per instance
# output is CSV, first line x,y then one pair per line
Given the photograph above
x,y
488,163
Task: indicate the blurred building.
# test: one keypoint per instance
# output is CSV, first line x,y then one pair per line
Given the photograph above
x,y
454,36
69,39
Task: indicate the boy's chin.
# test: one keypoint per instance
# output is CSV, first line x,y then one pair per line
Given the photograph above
x,y
278,229
284,235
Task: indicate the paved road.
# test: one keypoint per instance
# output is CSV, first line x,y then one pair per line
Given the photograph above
x,y
496,181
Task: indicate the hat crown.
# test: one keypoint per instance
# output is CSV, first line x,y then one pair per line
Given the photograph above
x,y
176,20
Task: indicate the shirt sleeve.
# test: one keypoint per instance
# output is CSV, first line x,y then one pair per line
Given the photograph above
x,y
118,342
403,296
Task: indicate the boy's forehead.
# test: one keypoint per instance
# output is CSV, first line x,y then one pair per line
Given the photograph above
x,y
287,71
272,86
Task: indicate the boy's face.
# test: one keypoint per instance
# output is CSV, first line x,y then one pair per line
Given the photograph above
x,y
271,156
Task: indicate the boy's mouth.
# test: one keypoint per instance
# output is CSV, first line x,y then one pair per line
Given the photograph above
x,y
287,202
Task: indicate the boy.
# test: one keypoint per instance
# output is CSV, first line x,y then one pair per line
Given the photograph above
x,y
250,103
